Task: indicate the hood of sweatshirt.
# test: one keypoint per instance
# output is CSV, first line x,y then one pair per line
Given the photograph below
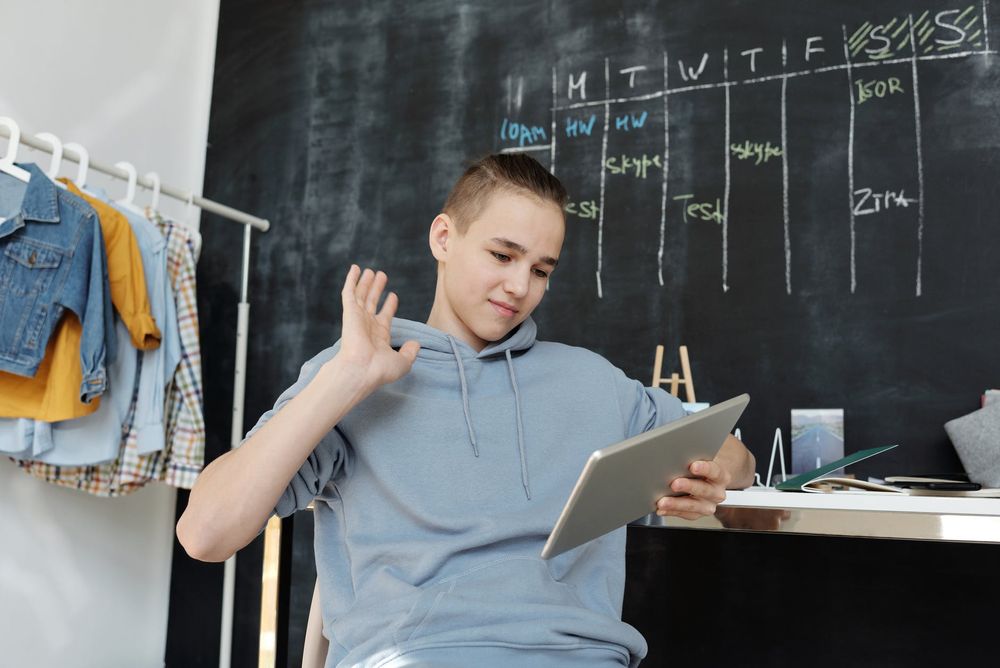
x,y
437,345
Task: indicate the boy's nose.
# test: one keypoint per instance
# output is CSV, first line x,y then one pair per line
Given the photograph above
x,y
516,285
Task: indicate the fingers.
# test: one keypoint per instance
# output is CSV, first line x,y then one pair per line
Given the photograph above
x,y
703,493
686,507
378,284
410,350
356,286
364,288
350,285
704,489
388,311
706,469
712,471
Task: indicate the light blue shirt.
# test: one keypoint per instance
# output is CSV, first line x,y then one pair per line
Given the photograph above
x,y
158,365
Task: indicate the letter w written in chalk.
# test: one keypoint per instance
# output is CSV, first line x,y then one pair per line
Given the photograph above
x,y
690,73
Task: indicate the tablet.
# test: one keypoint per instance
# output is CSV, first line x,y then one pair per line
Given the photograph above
x,y
622,482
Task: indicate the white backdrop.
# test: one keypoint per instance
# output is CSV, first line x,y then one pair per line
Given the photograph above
x,y
85,581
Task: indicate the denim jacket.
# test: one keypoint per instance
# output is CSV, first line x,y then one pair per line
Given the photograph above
x,y
51,258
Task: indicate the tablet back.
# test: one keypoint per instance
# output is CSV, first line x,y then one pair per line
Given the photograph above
x,y
622,482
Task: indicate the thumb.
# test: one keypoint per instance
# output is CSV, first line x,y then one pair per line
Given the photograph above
x,y
410,350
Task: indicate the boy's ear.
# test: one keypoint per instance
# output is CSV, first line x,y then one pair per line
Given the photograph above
x,y
442,230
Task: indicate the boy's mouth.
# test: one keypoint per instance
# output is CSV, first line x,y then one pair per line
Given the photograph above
x,y
503,308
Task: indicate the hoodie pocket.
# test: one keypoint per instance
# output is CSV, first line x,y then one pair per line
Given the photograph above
x,y
487,600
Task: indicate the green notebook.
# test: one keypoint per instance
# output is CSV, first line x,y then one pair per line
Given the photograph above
x,y
800,483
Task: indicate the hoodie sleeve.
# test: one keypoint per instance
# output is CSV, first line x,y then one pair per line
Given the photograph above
x,y
644,408
327,460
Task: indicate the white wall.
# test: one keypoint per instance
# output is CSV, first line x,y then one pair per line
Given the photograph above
x,y
85,581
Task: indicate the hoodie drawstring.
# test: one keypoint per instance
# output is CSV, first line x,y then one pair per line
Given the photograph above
x,y
520,427
521,454
465,396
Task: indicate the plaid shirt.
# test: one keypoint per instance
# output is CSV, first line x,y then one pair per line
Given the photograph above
x,y
179,463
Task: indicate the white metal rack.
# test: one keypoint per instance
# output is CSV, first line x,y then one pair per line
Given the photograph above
x,y
49,143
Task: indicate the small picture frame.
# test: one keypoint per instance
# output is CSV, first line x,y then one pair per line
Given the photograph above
x,y
817,438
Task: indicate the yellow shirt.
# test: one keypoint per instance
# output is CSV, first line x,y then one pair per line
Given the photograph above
x,y
53,394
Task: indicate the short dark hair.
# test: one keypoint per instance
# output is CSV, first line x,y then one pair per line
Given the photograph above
x,y
516,173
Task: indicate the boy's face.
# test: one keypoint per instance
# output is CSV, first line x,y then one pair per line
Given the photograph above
x,y
493,276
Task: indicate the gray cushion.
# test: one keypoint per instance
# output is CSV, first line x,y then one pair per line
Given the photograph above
x,y
976,438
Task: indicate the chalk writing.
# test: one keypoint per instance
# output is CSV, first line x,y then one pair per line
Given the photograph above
x,y
877,88
867,201
631,72
759,152
639,164
810,49
627,122
690,73
949,33
577,127
587,209
950,29
708,211
524,134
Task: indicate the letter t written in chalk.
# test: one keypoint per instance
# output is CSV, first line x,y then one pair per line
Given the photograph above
x,y
630,71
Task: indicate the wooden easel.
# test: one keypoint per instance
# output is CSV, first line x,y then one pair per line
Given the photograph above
x,y
675,379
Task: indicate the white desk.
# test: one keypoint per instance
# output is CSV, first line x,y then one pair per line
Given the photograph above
x,y
863,514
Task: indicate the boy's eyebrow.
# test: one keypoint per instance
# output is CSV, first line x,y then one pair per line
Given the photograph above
x,y
513,245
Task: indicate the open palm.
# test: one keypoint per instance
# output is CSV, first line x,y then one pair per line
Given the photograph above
x,y
367,331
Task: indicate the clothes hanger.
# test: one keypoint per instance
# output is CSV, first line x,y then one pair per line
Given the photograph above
x,y
7,165
57,154
128,202
83,158
155,178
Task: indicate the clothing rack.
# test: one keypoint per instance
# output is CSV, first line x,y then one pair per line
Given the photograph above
x,y
76,153
189,197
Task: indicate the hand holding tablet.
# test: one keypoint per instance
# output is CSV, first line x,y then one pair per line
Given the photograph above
x,y
701,491
623,482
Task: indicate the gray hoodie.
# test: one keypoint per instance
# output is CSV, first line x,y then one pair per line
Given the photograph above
x,y
435,495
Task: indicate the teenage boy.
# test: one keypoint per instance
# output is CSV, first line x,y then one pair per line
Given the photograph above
x,y
440,455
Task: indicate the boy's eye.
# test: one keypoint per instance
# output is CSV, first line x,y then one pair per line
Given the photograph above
x,y
500,256
540,273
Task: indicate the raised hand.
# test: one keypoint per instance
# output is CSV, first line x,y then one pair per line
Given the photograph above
x,y
365,343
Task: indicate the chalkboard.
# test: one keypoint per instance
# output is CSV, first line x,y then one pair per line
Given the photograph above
x,y
802,193
795,193
813,217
